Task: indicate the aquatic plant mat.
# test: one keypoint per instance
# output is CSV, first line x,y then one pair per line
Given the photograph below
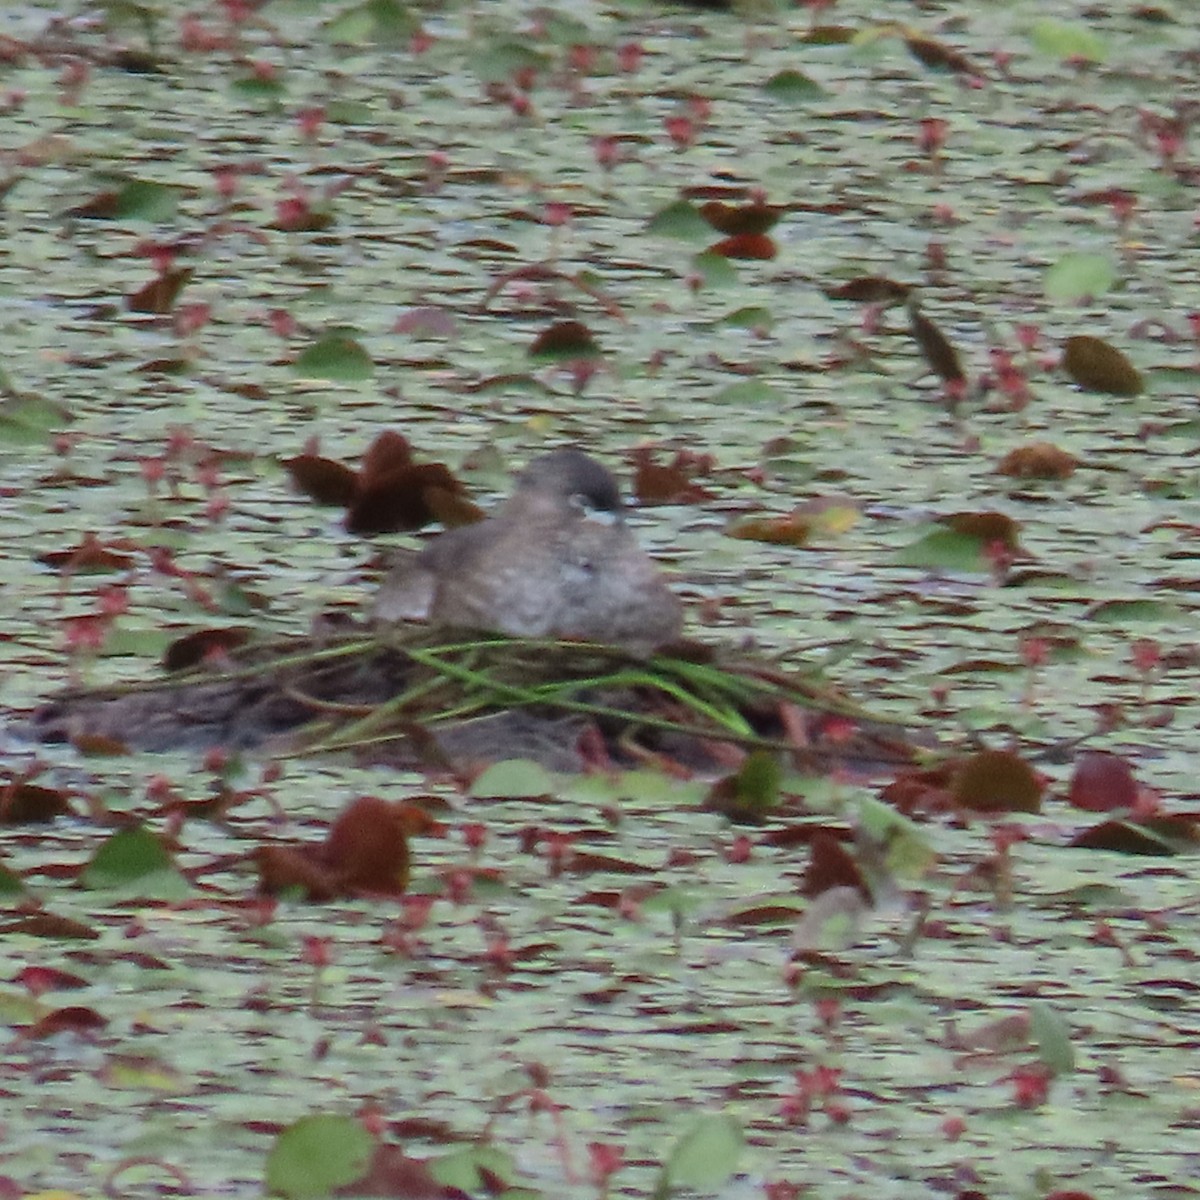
x,y
419,696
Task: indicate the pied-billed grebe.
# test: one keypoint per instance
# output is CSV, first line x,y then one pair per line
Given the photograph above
x,y
556,559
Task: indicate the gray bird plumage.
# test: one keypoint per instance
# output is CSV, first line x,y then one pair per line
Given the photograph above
x,y
556,559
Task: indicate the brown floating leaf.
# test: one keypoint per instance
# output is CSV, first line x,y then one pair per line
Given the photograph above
x,y
1110,197
136,62
832,865
415,820
795,529
1038,460
734,219
1099,367
452,508
565,340
367,847
75,1018
203,645
164,366
366,851
1003,1035
389,492
746,246
829,35
399,501
24,803
931,53
761,914
38,980
159,295
304,219
989,527
871,289
96,745
935,347
50,925
389,452
323,479
90,555
1165,835
996,781
393,1173
669,483
284,869
103,206
587,862
1102,781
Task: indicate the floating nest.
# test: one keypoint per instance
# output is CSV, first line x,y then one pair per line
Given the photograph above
x,y
420,696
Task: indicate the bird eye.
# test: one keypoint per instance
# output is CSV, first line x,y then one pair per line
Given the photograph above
x,y
594,508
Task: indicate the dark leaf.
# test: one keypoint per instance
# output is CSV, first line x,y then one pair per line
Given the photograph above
x,y
831,865
50,925
323,479
997,781
38,980
740,219
367,847
989,528
668,483
28,803
1099,367
1102,781
159,295
564,340
935,347
746,246
72,1019
451,507
871,289
394,1174
389,452
284,870
829,35
586,862
204,645
931,53
401,500
1038,460
795,529
1160,837
102,206
91,554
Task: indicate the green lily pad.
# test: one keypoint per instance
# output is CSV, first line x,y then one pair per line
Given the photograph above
x,y
793,87
1053,1037
337,357
316,1155
704,1156
386,21
1068,39
680,220
945,550
1079,276
512,779
134,861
